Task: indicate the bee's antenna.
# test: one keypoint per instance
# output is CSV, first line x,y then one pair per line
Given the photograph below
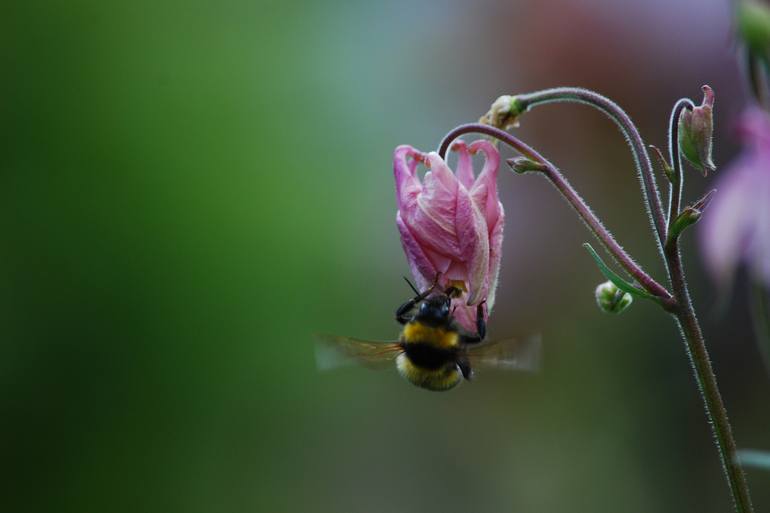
x,y
411,286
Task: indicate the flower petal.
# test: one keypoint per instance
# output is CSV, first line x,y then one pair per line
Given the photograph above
x,y
473,237
484,190
495,256
464,171
433,222
408,186
422,268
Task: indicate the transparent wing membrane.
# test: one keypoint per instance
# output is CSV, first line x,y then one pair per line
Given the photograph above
x,y
334,351
510,354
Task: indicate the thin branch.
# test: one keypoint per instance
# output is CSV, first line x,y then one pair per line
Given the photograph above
x,y
572,197
638,150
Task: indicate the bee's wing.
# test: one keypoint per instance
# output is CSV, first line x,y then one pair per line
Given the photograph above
x,y
333,351
509,354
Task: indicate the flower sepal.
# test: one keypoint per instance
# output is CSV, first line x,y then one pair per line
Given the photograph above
x,y
689,216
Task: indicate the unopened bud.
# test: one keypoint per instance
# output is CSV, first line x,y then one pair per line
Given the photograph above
x,y
690,215
611,299
503,113
523,165
696,128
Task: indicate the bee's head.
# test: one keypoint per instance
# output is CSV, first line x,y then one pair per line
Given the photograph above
x,y
435,310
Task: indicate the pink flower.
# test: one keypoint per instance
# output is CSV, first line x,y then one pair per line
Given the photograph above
x,y
451,224
736,227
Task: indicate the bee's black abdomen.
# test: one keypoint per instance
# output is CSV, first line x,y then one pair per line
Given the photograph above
x,y
428,356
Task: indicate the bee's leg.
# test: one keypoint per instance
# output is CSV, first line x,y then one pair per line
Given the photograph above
x,y
465,367
481,327
402,313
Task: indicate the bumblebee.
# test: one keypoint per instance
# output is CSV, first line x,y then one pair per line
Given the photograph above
x,y
433,352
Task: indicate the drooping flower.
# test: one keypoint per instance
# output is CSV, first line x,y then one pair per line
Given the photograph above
x,y
736,227
696,129
451,224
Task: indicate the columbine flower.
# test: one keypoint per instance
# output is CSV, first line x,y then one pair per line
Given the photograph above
x,y
736,227
451,224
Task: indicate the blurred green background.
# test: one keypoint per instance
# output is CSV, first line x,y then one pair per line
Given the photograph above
x,y
189,190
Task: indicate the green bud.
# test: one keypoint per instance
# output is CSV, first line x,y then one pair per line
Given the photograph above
x,y
523,165
689,216
696,128
611,299
753,23
503,113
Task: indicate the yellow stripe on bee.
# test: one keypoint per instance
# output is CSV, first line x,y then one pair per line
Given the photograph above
x,y
442,338
438,379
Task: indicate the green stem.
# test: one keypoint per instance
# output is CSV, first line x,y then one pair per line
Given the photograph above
x,y
675,191
716,413
695,345
638,150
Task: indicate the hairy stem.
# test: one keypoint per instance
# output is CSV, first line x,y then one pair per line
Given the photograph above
x,y
684,313
675,190
627,127
695,345
572,197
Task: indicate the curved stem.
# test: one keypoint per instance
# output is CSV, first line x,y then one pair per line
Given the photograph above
x,y
675,190
627,127
572,197
700,362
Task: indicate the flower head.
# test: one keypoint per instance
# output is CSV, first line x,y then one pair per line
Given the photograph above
x,y
696,128
451,224
736,228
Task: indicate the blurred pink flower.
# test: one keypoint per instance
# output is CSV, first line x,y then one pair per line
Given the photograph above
x,y
451,224
736,227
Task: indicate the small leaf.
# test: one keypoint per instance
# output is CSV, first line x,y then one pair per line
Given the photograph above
x,y
614,278
754,458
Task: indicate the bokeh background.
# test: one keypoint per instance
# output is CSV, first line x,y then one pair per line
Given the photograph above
x,y
190,190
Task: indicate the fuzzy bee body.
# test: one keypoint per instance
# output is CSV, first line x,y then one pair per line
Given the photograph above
x,y
432,352
430,356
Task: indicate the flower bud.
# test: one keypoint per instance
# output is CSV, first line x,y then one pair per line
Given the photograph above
x,y
611,299
695,133
690,215
521,165
503,113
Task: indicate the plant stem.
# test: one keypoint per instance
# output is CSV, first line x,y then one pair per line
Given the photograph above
x,y
631,134
675,190
679,305
572,197
695,345
700,362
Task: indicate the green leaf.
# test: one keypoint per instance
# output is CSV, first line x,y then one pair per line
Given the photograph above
x,y
614,278
754,458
